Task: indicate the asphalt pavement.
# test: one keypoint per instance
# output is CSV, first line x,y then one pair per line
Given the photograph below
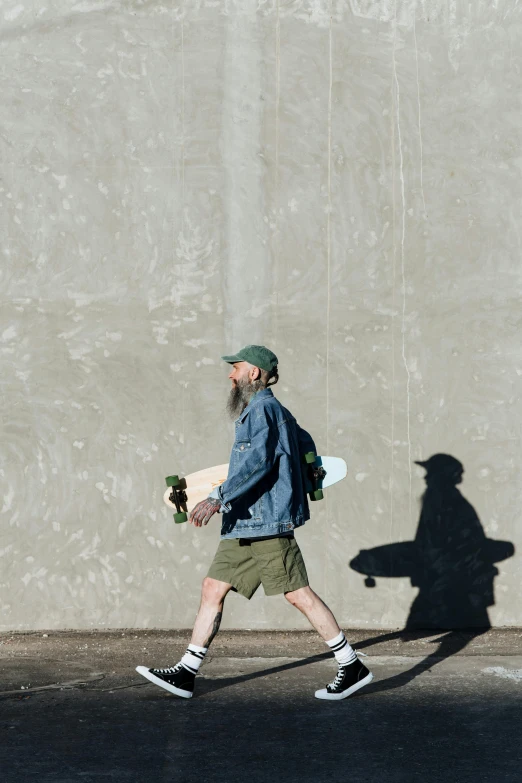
x,y
443,706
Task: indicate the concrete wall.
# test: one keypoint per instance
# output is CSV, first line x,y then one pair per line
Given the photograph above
x,y
340,181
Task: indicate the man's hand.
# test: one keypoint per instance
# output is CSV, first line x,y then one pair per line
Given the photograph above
x,y
201,513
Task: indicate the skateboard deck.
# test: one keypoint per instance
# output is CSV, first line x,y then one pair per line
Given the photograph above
x,y
182,494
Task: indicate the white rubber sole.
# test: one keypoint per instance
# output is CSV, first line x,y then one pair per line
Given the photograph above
x,y
162,684
323,693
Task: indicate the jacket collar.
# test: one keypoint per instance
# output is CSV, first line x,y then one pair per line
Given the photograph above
x,y
260,395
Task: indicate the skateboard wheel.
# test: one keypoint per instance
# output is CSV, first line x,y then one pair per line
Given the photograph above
x,y
179,518
172,481
317,494
309,457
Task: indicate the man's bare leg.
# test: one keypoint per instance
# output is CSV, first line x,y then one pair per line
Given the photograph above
x,y
352,674
208,618
316,612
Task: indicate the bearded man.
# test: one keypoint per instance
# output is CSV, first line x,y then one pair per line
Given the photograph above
x,y
263,501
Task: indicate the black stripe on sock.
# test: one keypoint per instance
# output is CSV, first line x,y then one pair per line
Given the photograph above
x,y
196,654
339,646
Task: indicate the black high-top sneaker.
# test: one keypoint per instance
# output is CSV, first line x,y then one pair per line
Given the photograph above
x,y
348,680
177,679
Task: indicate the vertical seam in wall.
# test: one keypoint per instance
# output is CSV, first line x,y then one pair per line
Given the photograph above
x,y
403,270
276,195
394,300
183,207
183,112
328,260
419,111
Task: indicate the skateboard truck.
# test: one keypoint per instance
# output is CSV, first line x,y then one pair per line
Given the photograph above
x,y
178,496
315,474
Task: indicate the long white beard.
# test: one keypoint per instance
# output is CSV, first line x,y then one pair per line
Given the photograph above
x,y
239,397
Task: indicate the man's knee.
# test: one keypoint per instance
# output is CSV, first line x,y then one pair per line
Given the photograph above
x,y
301,598
214,591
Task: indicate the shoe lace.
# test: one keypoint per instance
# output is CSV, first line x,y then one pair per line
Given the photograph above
x,y
337,680
170,670
340,672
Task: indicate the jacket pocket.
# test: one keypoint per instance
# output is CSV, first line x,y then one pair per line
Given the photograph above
x,y
241,446
256,511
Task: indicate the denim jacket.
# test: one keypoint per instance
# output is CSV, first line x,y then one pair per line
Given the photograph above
x,y
264,493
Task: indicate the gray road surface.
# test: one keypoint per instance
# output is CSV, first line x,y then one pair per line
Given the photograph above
x,y
441,707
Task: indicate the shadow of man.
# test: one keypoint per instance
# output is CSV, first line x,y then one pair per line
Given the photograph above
x,y
450,561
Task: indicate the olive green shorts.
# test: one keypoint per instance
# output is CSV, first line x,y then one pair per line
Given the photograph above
x,y
277,564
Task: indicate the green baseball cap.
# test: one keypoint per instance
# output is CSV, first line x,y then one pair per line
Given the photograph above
x,y
257,355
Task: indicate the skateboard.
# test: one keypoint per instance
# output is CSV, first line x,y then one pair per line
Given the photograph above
x,y
402,559
182,494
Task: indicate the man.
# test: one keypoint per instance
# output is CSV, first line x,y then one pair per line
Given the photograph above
x,y
263,500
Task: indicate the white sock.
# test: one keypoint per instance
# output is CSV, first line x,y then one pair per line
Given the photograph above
x,y
194,657
344,654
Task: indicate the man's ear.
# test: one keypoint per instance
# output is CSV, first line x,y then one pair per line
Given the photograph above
x,y
255,373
